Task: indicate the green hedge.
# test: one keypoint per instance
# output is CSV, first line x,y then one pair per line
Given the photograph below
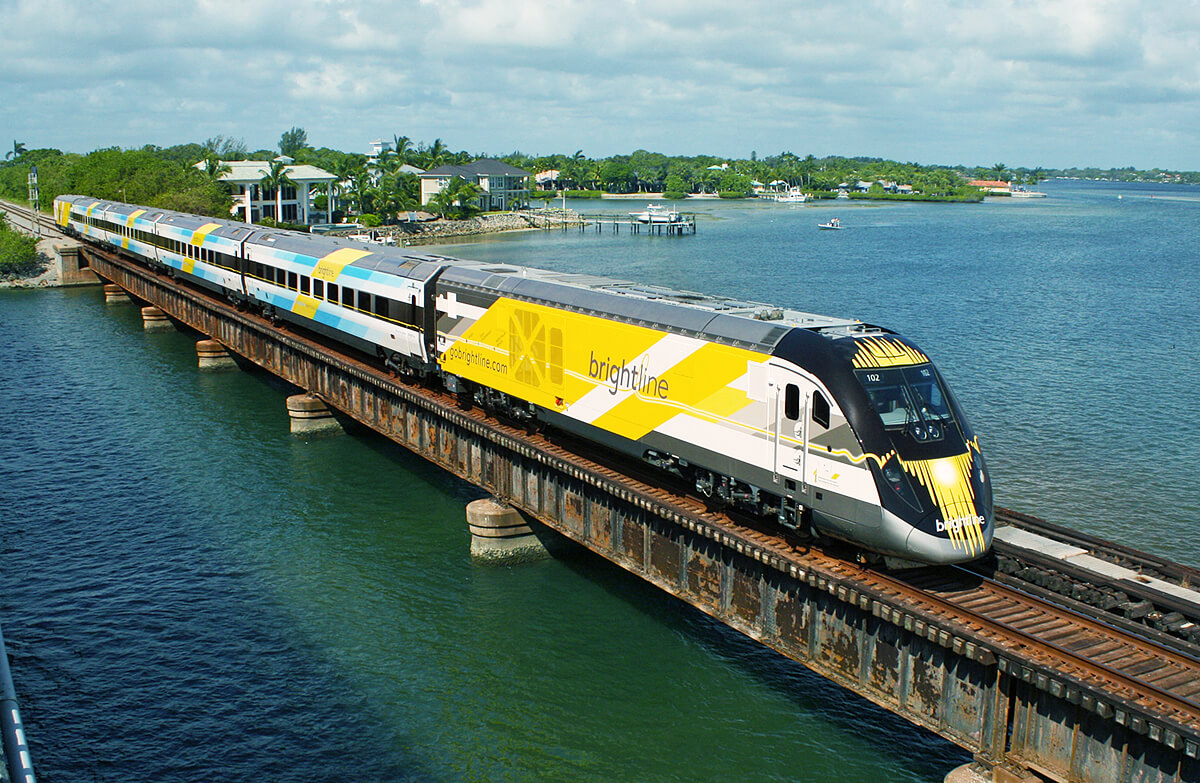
x,y
733,194
585,194
674,195
18,253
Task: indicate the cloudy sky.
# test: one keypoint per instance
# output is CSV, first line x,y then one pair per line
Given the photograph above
x,y
1052,83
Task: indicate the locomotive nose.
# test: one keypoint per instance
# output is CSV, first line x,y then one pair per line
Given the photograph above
x,y
962,542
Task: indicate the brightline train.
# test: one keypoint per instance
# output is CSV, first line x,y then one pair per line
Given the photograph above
x,y
825,424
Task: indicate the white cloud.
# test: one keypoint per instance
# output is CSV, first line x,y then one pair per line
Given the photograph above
x,y
928,80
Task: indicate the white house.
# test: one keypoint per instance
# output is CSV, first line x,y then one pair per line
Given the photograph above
x,y
254,202
504,186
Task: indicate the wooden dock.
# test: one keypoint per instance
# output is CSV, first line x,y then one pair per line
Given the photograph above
x,y
686,224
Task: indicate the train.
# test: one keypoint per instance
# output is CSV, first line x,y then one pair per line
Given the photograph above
x,y
824,425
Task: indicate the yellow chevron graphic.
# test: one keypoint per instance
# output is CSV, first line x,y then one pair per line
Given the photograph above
x,y
949,483
886,352
199,235
305,306
703,377
331,265
554,358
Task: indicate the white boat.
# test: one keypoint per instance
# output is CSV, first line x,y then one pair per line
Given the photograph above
x,y
792,196
656,213
833,224
1023,193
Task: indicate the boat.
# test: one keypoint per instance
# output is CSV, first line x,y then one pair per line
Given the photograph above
x,y
834,224
791,196
1026,193
656,213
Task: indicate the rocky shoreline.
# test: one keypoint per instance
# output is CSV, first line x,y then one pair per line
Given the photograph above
x,y
49,275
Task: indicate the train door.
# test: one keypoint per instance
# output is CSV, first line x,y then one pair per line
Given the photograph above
x,y
789,397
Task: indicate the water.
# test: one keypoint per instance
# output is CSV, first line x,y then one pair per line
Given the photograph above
x,y
188,592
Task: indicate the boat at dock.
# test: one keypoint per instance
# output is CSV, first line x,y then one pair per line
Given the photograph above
x,y
655,214
1026,193
791,196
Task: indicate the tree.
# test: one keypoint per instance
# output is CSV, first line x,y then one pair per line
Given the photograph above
x,y
456,198
17,149
402,146
434,155
999,170
292,141
275,179
225,147
214,167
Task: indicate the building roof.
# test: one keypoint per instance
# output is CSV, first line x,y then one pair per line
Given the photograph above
x,y
989,183
479,168
255,170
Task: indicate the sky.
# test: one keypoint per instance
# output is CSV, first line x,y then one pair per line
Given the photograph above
x,y
1053,83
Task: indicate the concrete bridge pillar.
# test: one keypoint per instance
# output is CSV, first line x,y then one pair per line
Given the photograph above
x,y
115,295
310,415
72,266
501,534
211,355
155,320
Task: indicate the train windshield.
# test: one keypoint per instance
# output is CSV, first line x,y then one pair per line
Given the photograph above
x,y
909,399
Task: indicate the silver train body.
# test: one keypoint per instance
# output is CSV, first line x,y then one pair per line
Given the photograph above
x,y
809,420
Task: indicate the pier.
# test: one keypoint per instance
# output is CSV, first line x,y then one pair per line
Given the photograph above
x,y
599,223
1032,689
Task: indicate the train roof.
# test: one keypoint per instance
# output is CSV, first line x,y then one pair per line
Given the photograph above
x,y
735,322
378,258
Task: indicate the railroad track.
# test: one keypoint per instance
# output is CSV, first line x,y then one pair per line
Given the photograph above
x,y
1133,590
25,219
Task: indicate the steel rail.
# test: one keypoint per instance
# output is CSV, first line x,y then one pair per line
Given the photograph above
x,y
1120,554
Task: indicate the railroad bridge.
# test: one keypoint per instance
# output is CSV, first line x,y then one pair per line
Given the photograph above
x,y
1034,687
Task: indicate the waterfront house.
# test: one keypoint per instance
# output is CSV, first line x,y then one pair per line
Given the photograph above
x,y
253,202
504,186
995,186
547,180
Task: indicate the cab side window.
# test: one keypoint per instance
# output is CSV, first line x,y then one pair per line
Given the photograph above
x,y
791,401
820,409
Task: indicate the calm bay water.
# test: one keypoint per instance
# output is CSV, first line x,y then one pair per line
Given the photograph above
x,y
190,593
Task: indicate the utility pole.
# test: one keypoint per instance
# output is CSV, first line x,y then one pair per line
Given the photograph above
x,y
34,202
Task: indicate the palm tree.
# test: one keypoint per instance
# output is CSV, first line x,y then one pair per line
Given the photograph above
x,y
17,149
214,167
275,179
402,145
456,197
434,154
999,170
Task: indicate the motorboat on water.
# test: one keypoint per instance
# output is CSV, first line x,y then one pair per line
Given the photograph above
x,y
833,224
792,196
656,213
1025,193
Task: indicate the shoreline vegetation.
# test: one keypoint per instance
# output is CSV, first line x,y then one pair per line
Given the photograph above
x,y
377,192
